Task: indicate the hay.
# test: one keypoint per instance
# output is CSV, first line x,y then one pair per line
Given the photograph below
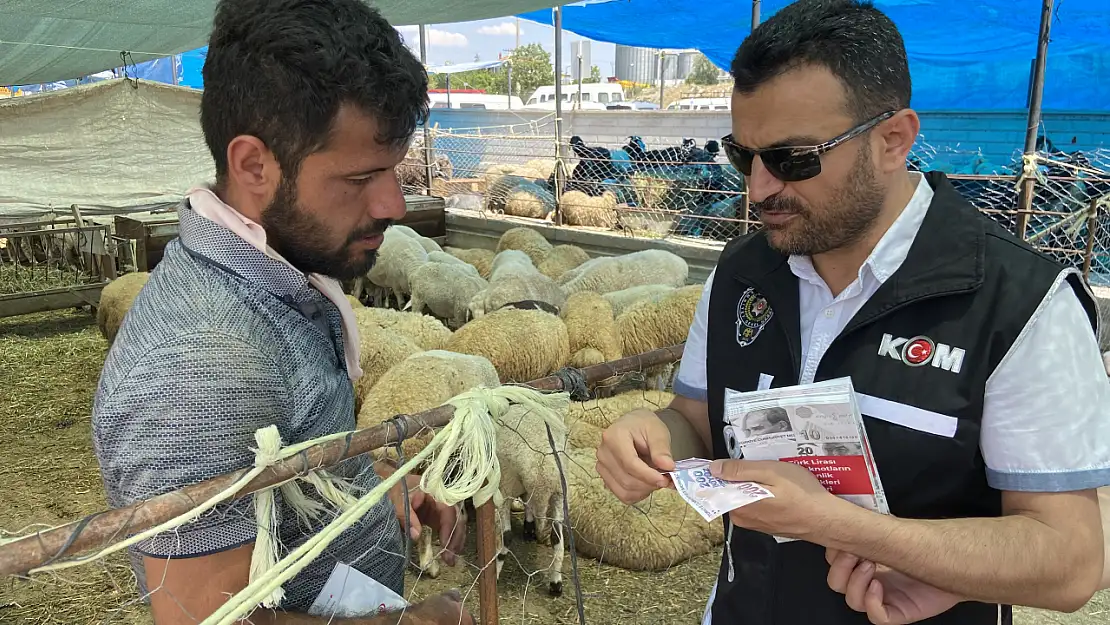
x,y
30,278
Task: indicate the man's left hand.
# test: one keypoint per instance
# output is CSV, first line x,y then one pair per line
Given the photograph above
x,y
424,510
800,507
885,595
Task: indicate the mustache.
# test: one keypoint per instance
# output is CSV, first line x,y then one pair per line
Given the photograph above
x,y
378,227
780,205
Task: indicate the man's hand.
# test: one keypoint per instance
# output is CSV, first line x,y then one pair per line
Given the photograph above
x,y
442,609
424,510
887,596
633,451
800,507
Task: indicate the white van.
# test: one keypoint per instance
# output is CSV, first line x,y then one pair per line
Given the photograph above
x,y
594,96
701,104
464,100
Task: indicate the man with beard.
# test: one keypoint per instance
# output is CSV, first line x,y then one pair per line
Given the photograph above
x,y
974,358
307,109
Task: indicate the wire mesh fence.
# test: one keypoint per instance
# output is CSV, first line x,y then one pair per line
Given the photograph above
x,y
663,188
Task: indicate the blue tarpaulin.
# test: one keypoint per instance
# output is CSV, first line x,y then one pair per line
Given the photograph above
x,y
964,54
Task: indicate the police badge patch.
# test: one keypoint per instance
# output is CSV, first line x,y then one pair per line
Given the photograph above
x,y
752,314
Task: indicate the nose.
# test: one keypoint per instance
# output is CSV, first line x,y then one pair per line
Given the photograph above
x,y
387,201
761,184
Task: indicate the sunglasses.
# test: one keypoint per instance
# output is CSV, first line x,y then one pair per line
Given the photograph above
x,y
792,164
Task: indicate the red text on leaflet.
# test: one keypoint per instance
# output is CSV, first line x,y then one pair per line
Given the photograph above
x,y
840,475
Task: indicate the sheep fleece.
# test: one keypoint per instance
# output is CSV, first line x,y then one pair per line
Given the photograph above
x,y
523,345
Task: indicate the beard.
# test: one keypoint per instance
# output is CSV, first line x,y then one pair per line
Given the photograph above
x,y
841,221
308,244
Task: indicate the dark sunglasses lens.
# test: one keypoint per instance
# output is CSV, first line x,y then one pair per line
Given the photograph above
x,y
790,167
740,158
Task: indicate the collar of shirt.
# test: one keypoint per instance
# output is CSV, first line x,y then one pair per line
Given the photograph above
x,y
891,250
205,203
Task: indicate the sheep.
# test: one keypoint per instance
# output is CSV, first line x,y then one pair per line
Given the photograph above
x,y
481,259
513,278
587,420
527,240
446,289
651,325
529,470
380,349
427,332
561,259
579,209
355,303
591,329
429,245
653,536
398,255
421,382
615,273
115,300
543,166
523,345
625,298
530,200
444,257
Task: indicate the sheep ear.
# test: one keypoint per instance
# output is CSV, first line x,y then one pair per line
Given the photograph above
x,y
408,305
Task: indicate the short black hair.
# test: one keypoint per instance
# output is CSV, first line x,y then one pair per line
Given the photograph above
x,y
280,69
859,44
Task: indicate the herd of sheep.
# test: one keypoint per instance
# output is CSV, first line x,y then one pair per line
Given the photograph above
x,y
521,312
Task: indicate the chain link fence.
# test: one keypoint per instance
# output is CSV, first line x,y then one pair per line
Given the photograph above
x,y
656,187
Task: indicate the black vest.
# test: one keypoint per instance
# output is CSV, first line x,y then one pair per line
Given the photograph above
x,y
966,284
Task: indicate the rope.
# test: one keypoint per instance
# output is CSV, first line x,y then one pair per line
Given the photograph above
x,y
574,383
465,466
265,552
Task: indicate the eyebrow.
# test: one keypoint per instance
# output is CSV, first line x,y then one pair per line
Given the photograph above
x,y
365,172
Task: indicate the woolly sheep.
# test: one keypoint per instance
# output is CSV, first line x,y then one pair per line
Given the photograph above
x,y
587,420
530,201
579,209
561,259
427,332
481,259
513,278
421,382
379,351
591,329
523,345
654,536
115,300
615,273
543,166
651,325
529,470
429,245
527,240
446,289
355,303
398,255
622,300
444,257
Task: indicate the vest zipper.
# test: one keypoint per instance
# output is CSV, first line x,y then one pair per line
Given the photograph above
x,y
728,549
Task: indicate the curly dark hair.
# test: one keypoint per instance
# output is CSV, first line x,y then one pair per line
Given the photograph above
x,y
859,44
280,69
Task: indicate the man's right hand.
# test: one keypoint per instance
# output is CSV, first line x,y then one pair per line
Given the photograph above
x,y
633,451
442,609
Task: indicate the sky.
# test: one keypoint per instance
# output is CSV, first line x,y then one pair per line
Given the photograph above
x,y
458,43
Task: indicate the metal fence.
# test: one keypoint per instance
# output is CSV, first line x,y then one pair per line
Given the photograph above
x,y
660,188
52,265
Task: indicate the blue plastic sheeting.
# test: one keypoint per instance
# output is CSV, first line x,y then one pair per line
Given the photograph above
x,y
464,67
964,54
157,70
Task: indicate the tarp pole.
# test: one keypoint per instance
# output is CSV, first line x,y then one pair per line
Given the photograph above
x,y
427,134
510,79
662,67
580,79
1034,121
558,112
745,204
755,13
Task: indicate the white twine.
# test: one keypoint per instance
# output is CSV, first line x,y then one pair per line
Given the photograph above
x,y
465,466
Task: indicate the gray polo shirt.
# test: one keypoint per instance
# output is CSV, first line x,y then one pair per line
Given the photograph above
x,y
224,340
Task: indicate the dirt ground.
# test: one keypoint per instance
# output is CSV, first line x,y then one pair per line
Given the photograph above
x,y
49,365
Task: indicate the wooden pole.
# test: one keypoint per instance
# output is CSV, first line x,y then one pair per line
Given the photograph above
x,y
1036,96
427,135
488,612
102,528
1092,229
746,203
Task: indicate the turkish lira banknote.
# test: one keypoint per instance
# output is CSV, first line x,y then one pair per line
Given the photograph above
x,y
711,496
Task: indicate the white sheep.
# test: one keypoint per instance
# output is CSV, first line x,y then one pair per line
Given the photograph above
x,y
514,278
616,273
444,257
398,255
529,470
429,245
445,288
625,298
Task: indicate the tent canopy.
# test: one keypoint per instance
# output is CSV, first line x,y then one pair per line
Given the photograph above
x,y
464,67
964,54
49,40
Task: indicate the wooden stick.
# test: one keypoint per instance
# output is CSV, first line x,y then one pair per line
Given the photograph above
x,y
487,556
103,528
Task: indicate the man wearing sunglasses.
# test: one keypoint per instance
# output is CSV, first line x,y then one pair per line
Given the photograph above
x,y
974,356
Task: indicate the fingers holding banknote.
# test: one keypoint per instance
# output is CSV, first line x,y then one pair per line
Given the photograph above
x,y
800,507
633,452
885,595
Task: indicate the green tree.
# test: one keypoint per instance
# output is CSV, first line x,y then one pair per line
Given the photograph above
x,y
595,75
531,68
704,72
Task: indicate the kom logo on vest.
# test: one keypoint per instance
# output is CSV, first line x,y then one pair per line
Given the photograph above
x,y
922,350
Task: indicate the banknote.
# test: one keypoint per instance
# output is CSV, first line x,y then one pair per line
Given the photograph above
x,y
711,496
